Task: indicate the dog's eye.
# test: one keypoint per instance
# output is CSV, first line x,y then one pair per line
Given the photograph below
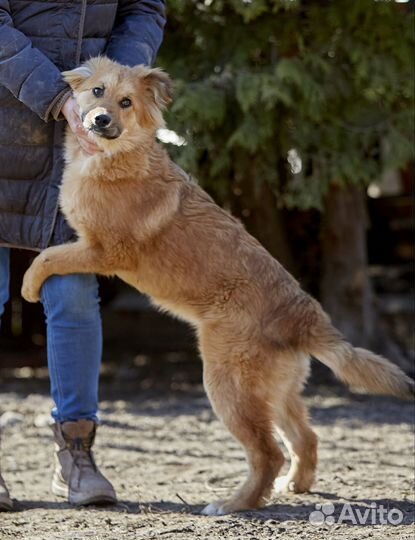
x,y
98,92
125,102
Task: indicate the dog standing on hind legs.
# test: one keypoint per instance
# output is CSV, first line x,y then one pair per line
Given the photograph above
x,y
137,216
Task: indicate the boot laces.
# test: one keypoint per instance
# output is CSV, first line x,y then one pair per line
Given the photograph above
x,y
80,449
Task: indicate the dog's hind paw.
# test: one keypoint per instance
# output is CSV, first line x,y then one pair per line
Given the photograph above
x,y
214,509
287,484
284,484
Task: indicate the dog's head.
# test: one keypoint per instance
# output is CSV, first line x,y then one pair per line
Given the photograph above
x,y
119,104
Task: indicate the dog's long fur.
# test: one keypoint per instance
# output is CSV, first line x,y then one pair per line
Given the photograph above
x,y
138,216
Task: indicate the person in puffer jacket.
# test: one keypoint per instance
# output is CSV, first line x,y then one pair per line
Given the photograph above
x,y
38,40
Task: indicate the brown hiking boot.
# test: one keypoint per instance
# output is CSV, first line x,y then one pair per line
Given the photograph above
x,y
76,475
5,501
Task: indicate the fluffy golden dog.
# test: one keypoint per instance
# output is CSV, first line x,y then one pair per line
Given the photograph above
x,y
139,217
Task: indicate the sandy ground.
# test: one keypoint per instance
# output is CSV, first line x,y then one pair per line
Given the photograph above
x,y
168,455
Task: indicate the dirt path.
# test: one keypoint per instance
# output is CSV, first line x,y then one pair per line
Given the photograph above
x,y
168,456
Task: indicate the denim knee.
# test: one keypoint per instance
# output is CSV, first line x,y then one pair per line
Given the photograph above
x,y
72,299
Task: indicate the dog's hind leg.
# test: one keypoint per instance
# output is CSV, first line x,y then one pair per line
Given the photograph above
x,y
238,388
297,435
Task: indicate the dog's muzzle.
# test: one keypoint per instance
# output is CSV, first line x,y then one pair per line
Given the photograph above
x,y
100,122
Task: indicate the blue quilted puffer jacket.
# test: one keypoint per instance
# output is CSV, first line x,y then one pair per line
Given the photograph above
x,y
38,40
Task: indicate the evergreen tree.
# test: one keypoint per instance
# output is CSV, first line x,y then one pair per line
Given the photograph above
x,y
286,103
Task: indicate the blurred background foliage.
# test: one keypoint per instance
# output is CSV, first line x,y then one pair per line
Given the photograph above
x,y
297,94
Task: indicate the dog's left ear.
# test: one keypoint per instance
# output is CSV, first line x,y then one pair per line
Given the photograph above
x,y
160,87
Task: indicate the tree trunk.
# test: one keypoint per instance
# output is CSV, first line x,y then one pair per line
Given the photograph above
x,y
346,292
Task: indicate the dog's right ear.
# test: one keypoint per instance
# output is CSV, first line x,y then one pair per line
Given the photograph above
x,y
75,77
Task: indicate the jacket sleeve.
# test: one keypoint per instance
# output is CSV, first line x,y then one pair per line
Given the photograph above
x,y
24,70
138,32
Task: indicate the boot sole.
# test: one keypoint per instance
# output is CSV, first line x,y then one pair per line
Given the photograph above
x,y
6,506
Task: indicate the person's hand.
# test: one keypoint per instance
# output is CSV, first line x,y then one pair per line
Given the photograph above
x,y
70,110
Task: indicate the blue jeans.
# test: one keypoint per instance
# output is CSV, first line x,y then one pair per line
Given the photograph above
x,y
74,340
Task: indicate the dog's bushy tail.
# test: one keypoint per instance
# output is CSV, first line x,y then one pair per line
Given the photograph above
x,y
361,368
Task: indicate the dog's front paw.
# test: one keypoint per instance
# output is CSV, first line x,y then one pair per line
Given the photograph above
x,y
31,288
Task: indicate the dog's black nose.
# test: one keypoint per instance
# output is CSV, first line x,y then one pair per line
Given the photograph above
x,y
102,120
